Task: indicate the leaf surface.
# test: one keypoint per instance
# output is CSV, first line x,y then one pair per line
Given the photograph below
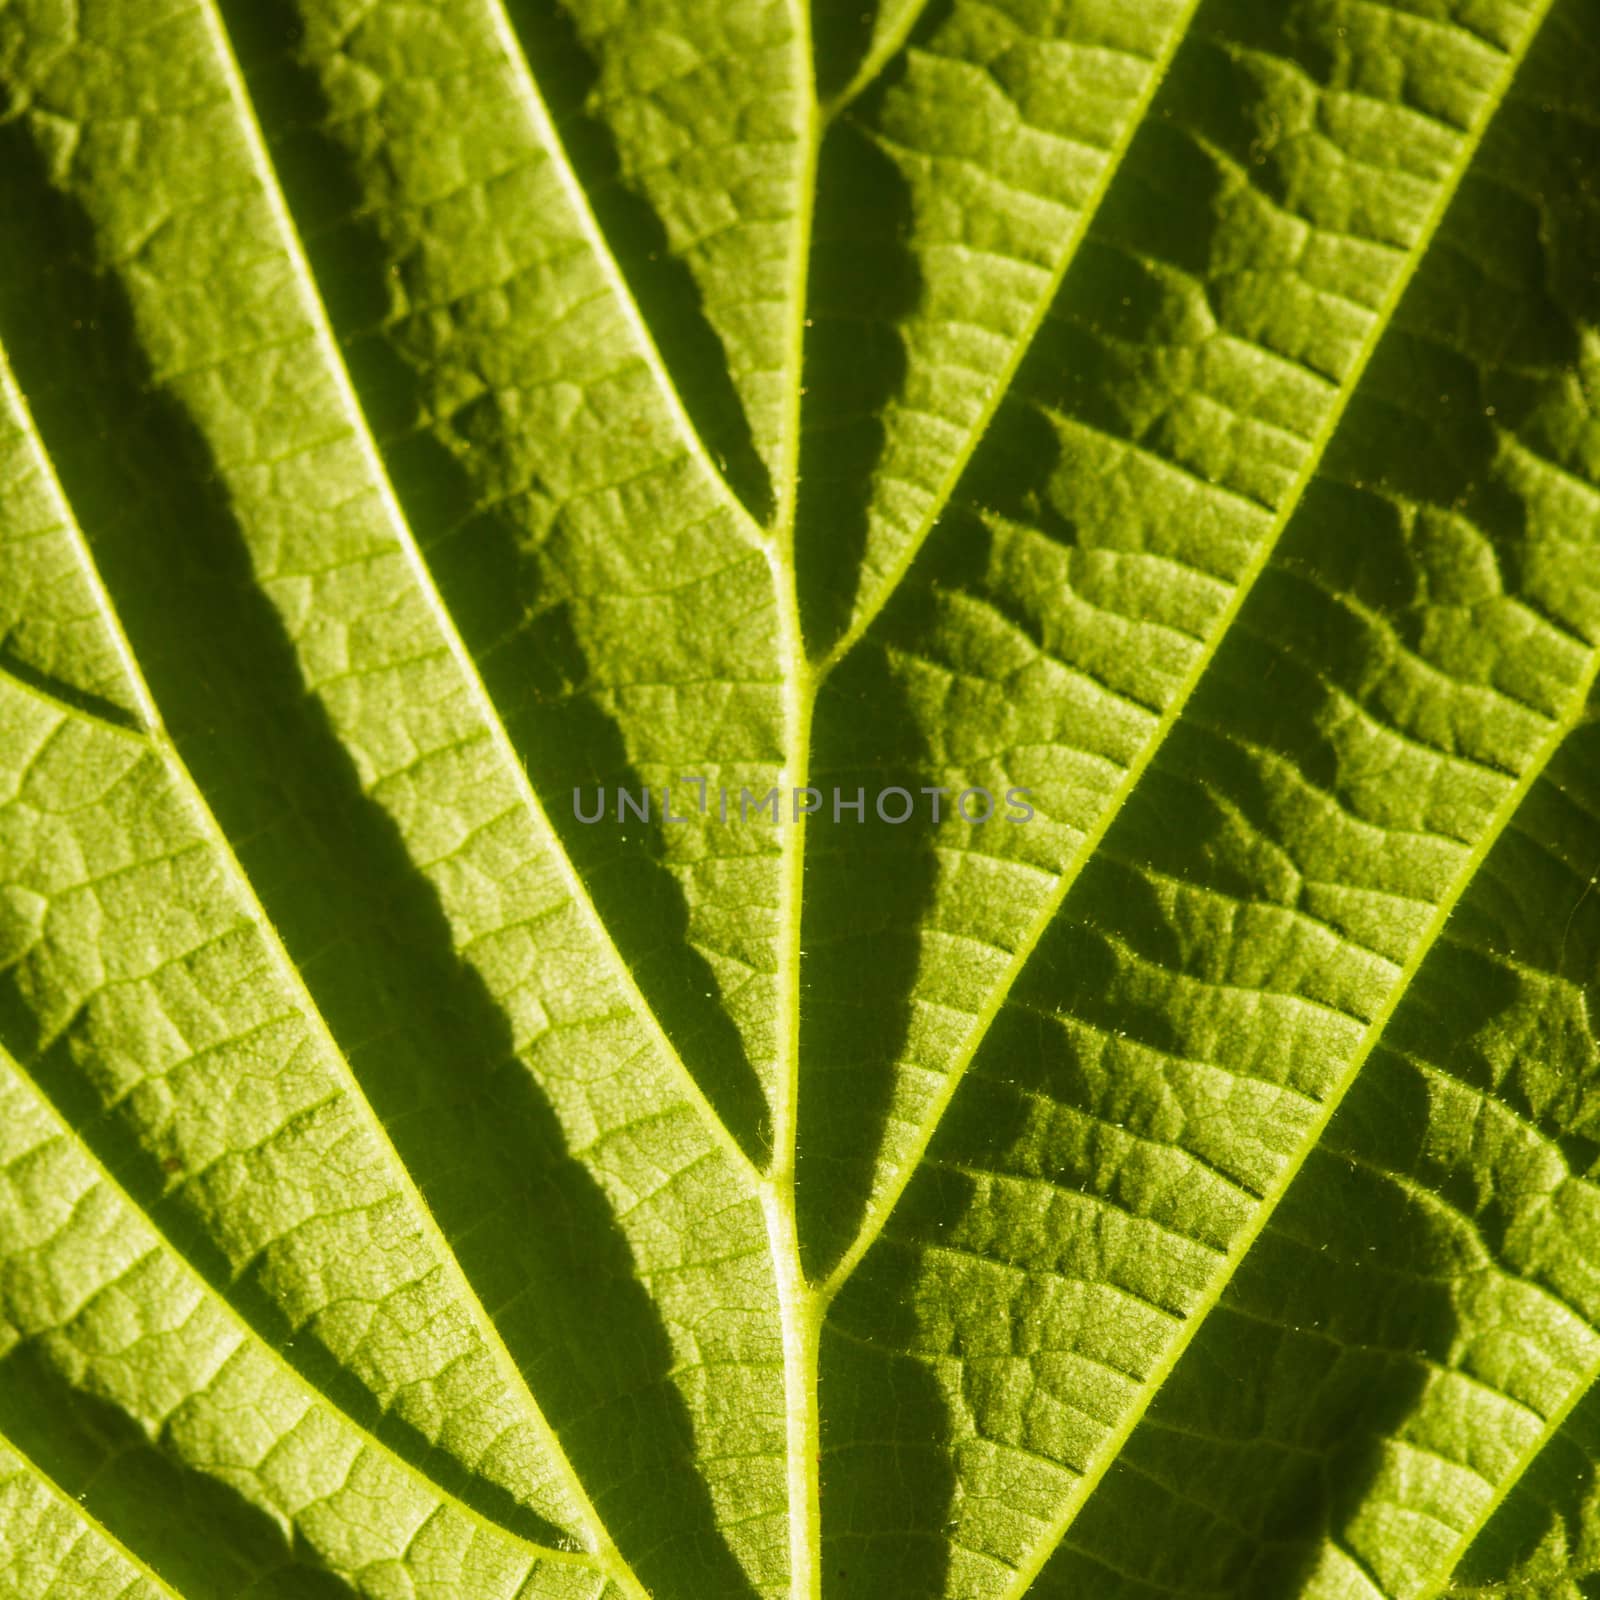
x,y
421,424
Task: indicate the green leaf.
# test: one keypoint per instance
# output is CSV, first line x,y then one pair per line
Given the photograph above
x,y
1175,421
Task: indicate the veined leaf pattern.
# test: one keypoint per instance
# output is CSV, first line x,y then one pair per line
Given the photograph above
x,y
424,422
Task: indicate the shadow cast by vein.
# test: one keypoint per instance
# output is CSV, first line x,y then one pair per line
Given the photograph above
x,y
869,887
489,570
198,1534
431,1050
886,1466
867,883
863,282
841,36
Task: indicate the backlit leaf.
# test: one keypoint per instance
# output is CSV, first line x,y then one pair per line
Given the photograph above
x,y
799,800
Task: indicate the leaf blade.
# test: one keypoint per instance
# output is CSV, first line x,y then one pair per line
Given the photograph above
x,y
442,466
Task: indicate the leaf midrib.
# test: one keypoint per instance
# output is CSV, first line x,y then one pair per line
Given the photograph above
x,y
804,1305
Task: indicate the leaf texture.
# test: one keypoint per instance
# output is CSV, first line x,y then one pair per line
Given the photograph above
x,y
422,423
